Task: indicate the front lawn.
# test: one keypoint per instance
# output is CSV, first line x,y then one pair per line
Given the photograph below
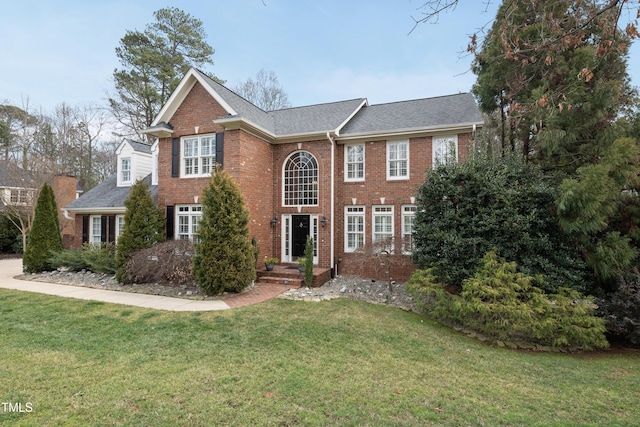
x,y
338,362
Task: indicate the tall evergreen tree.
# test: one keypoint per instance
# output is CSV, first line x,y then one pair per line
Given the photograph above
x,y
153,62
143,226
553,75
224,259
44,237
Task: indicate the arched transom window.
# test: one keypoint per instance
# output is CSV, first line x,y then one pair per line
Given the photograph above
x,y
300,179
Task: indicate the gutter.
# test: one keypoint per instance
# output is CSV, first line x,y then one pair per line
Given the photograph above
x,y
331,214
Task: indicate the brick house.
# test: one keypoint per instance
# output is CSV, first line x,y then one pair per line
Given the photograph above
x,y
344,173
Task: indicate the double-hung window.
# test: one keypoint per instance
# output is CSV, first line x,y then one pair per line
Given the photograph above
x,y
408,218
383,225
119,225
198,155
125,170
188,217
354,162
398,159
445,150
354,229
96,230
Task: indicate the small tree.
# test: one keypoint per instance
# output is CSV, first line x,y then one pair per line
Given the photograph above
x,y
308,264
44,237
143,226
225,259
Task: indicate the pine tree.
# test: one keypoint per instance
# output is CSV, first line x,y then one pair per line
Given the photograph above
x,y
224,259
44,237
143,226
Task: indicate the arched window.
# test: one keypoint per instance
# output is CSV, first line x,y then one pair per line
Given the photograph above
x,y
300,179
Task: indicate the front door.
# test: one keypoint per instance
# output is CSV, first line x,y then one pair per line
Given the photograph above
x,y
300,232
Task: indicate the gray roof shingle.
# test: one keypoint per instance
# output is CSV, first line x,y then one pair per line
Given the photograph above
x,y
318,118
415,114
106,195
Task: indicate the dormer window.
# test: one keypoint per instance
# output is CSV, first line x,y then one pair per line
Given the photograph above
x,y
125,170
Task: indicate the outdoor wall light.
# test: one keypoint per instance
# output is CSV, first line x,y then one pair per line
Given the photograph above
x,y
323,221
274,222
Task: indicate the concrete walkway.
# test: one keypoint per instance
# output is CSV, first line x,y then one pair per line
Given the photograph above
x,y
9,268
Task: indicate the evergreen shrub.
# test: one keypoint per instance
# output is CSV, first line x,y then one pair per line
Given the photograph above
x,y
621,308
501,303
44,237
143,226
467,209
225,259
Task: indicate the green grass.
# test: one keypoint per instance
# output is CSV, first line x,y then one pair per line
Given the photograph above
x,y
339,362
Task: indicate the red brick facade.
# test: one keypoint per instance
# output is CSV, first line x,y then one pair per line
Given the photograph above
x,y
256,157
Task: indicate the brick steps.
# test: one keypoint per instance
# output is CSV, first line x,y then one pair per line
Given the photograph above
x,y
288,275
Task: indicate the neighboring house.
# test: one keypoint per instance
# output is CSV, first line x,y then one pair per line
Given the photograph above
x,y
99,213
345,173
19,189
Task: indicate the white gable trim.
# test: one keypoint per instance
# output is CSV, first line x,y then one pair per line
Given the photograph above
x,y
348,119
177,97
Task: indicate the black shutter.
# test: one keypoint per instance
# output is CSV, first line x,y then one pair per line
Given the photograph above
x,y
111,237
220,149
85,229
103,228
175,157
170,222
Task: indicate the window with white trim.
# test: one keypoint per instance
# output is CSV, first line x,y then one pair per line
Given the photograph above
x,y
119,226
188,218
125,169
354,162
96,230
397,159
445,150
300,180
198,155
383,224
354,229
20,196
408,218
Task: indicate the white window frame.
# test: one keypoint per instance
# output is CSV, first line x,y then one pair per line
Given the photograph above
x,y
382,215
351,212
197,155
22,196
125,173
394,160
187,220
302,188
95,226
119,226
350,163
408,225
441,145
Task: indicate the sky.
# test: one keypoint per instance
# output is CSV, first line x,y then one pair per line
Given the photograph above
x,y
321,50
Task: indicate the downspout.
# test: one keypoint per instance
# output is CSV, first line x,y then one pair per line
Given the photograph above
x,y
331,221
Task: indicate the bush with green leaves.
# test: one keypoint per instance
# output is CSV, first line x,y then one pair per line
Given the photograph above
x,y
44,236
501,303
225,259
9,234
143,226
467,209
91,257
621,308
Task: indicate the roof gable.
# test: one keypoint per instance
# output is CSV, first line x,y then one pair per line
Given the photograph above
x,y
344,119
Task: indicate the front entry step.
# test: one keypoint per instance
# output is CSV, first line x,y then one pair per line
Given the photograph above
x,y
289,273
